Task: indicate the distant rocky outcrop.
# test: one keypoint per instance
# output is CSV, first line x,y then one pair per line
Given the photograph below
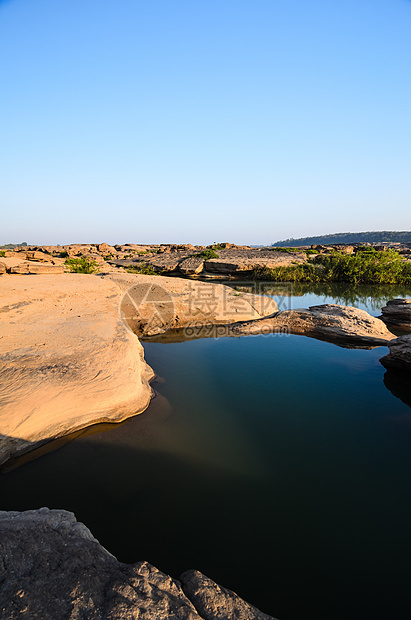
x,y
398,312
335,323
225,260
399,356
51,567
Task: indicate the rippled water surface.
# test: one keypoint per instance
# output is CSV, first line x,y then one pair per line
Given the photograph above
x,y
278,465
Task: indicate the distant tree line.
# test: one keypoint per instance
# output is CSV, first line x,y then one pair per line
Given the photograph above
x,y
11,246
381,236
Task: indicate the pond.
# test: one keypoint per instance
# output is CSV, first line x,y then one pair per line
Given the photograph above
x,y
278,465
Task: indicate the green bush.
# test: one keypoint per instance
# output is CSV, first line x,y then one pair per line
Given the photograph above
x,y
142,268
81,265
360,268
207,254
2,253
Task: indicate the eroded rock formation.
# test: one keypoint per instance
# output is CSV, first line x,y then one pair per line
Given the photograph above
x,y
341,324
51,567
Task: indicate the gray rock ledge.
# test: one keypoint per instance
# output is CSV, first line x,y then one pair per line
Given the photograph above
x,y
398,312
52,568
399,356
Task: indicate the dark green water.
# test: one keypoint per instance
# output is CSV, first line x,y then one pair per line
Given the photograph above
x,y
278,465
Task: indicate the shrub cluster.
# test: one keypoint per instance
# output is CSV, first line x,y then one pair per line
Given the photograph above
x,y
81,265
363,267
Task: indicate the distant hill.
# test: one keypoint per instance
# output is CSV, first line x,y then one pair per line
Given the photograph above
x,y
379,236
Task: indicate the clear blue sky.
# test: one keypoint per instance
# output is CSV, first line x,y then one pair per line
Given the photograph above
x,y
203,120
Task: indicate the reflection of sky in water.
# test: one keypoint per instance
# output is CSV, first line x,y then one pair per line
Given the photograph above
x,y
292,296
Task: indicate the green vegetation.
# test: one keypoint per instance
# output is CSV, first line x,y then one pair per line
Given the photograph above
x,y
142,268
364,267
217,246
207,254
63,254
287,250
383,236
2,253
292,250
81,265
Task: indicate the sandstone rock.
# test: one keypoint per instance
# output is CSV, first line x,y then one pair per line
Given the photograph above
x,y
167,261
67,360
191,265
51,567
41,257
36,268
11,261
398,312
343,324
3,267
104,248
237,261
214,602
399,355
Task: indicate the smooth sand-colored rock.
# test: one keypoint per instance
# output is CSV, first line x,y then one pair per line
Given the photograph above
x,y
51,567
342,324
67,359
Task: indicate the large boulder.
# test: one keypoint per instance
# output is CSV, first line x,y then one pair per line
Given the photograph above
x,y
67,359
105,248
399,355
41,257
192,265
51,567
398,312
342,324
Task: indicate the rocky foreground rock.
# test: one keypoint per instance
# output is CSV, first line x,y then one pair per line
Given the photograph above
x,y
52,568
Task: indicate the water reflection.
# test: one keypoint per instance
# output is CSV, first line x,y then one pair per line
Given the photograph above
x,y
365,296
